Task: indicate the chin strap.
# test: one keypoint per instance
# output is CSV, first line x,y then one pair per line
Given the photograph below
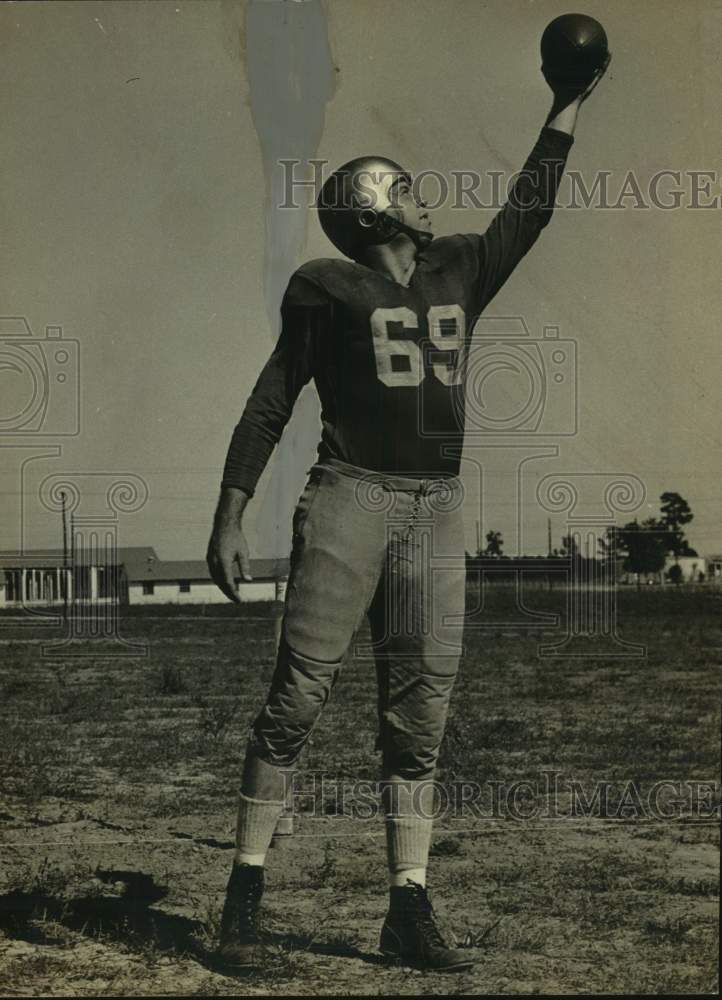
x,y
421,239
389,226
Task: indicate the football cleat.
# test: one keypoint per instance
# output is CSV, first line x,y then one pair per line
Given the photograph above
x,y
410,934
353,206
240,942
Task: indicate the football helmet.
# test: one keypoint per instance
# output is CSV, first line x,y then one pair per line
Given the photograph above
x,y
353,206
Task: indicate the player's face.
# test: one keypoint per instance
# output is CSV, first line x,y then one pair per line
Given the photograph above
x,y
406,206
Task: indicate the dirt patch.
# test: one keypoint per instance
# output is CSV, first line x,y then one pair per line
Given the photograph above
x,y
118,783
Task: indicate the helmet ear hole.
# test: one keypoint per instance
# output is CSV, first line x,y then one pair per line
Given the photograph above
x,y
367,218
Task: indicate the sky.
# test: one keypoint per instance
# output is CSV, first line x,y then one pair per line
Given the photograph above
x,y
139,168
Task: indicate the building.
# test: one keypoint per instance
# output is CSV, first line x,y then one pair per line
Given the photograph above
x,y
694,569
187,581
690,566
714,567
135,576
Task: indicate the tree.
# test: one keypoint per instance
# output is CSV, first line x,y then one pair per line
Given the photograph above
x,y
643,546
494,543
569,546
675,514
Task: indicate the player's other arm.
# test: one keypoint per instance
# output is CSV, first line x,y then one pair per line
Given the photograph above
x,y
268,410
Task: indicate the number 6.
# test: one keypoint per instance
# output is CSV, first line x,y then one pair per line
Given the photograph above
x,y
446,332
385,349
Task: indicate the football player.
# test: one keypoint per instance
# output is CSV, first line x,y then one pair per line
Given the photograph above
x,y
378,530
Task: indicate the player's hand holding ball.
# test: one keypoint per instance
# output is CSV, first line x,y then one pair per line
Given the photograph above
x,y
575,56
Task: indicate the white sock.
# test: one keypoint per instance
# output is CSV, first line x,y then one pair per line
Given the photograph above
x,y
399,878
257,820
407,844
243,858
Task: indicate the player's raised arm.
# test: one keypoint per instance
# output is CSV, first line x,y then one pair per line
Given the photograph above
x,y
267,412
516,228
532,198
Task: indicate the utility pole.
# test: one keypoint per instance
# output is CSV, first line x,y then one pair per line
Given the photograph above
x,y
549,550
65,557
72,557
478,537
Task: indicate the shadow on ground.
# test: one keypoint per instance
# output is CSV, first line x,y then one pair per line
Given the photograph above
x,y
132,919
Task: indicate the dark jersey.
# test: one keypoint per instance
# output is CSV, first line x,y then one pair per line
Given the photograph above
x,y
388,360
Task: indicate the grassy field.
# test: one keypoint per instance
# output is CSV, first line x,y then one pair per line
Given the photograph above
x,y
117,799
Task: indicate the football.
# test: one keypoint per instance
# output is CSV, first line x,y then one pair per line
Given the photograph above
x,y
573,48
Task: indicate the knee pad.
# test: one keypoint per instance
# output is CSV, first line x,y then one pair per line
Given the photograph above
x,y
414,718
299,692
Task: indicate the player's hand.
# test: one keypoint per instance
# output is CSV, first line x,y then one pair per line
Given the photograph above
x,y
566,93
597,77
227,546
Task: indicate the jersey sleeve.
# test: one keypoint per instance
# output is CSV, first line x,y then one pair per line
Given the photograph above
x,y
528,210
304,314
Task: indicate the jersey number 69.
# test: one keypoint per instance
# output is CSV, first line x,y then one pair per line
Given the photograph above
x,y
399,362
